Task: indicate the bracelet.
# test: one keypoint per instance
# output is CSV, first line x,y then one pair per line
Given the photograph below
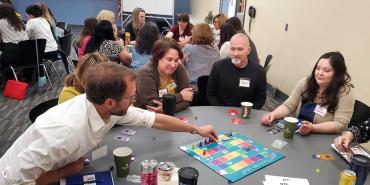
x,y
194,131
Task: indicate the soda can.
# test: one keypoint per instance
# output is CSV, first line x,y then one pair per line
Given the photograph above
x,y
127,38
148,172
347,177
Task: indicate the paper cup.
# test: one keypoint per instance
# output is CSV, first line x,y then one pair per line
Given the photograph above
x,y
122,159
290,127
246,109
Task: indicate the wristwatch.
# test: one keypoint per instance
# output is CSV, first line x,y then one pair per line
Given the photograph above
x,y
194,131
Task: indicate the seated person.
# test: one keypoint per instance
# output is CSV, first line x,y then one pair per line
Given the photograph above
x,y
74,84
103,40
137,21
145,39
12,29
237,79
108,16
226,32
85,35
201,54
163,75
324,100
217,21
235,21
38,27
182,31
359,134
53,147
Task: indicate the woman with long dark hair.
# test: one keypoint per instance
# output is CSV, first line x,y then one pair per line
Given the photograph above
x,y
323,102
145,39
226,32
85,35
103,40
182,31
12,29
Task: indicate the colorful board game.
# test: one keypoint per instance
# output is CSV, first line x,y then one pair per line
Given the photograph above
x,y
233,156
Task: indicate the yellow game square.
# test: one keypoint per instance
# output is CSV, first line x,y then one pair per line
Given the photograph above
x,y
236,167
228,156
242,164
198,151
234,154
235,142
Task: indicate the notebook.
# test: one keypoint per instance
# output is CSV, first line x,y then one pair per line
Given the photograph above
x,y
97,178
357,149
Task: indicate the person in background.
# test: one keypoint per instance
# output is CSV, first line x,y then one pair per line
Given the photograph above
x,y
48,16
12,31
201,54
163,75
235,21
75,83
85,35
9,2
226,32
182,31
236,79
54,146
37,27
103,40
137,21
323,101
359,134
109,16
141,54
218,20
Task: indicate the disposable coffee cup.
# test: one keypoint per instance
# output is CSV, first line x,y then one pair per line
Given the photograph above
x,y
169,104
290,127
188,176
246,109
122,159
360,164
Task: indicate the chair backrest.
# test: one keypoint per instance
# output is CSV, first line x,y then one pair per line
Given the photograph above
x,y
41,108
65,43
267,63
202,89
28,49
10,54
361,113
62,25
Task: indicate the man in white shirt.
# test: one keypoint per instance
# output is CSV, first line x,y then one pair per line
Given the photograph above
x,y
52,148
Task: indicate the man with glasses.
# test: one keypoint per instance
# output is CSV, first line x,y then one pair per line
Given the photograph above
x,y
53,147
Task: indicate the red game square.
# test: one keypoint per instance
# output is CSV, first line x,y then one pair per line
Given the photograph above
x,y
248,161
222,159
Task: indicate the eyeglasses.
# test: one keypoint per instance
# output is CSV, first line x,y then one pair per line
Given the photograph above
x,y
131,98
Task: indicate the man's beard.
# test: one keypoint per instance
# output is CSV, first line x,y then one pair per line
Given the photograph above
x,y
235,61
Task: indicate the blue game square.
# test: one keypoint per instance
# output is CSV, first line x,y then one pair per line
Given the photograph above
x,y
259,156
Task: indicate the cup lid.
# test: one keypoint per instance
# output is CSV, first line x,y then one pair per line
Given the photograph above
x,y
246,104
291,119
122,151
188,173
361,160
166,166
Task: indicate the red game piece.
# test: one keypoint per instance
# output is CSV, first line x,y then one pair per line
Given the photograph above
x,y
204,152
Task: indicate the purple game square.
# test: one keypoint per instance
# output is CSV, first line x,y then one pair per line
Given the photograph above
x,y
222,166
246,149
259,156
216,149
216,162
254,158
221,147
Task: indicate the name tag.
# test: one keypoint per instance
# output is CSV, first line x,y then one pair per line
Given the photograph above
x,y
244,82
171,86
320,110
162,92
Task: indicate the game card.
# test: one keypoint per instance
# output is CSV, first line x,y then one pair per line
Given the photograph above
x,y
273,131
128,132
122,138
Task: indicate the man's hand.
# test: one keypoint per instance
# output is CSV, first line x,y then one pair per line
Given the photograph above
x,y
157,109
267,119
306,128
342,142
207,131
72,168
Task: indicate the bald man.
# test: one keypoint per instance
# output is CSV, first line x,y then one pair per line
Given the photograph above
x,y
236,79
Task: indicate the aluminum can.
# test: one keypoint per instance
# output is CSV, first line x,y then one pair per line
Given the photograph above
x,y
347,177
148,172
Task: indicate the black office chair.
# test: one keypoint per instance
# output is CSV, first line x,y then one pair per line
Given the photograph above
x,y
41,108
65,43
62,25
267,63
200,98
361,113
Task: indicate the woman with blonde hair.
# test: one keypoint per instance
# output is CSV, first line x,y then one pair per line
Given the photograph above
x,y
218,20
109,16
137,21
74,84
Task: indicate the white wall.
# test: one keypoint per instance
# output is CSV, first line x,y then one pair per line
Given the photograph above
x,y
200,8
315,27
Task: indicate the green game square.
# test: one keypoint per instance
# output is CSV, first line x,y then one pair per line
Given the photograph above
x,y
265,154
228,145
240,151
229,170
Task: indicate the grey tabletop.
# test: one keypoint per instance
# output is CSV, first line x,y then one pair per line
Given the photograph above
x,y
163,146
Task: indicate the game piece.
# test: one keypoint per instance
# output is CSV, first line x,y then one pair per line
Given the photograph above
x,y
193,146
317,170
235,158
205,142
200,144
233,112
195,118
326,157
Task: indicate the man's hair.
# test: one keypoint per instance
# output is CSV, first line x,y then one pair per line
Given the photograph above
x,y
34,10
241,35
107,80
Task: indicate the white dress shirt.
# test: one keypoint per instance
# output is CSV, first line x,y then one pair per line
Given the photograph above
x,y
39,28
60,136
9,34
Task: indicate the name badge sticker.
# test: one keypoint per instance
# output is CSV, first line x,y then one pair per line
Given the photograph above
x,y
244,82
320,110
172,86
162,92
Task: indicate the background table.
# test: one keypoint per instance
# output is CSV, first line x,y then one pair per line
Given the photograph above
x,y
163,146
